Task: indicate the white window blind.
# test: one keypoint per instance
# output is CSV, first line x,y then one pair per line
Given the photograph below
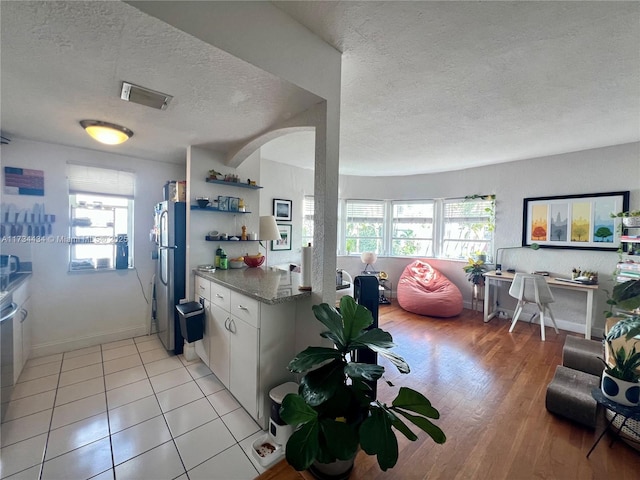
x,y
106,181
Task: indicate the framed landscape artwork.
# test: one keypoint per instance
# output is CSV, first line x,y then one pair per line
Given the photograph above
x,y
282,209
574,221
285,238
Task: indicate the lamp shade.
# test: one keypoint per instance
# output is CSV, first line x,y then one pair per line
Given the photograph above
x,y
269,228
369,258
107,133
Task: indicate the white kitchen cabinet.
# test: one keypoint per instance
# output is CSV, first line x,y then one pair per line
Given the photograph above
x,y
250,345
219,345
21,329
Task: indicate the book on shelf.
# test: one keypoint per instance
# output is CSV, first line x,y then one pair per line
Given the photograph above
x,y
630,238
628,267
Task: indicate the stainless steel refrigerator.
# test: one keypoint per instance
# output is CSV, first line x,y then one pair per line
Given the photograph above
x,y
171,232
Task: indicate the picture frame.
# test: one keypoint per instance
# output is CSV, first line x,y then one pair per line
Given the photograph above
x,y
574,221
285,238
223,203
282,209
233,204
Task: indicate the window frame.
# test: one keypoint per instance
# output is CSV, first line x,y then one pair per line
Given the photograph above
x,y
439,225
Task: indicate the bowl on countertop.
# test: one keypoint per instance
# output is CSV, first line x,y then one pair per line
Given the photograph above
x,y
254,260
236,264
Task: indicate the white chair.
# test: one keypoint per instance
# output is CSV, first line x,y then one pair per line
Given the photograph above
x,y
532,289
346,278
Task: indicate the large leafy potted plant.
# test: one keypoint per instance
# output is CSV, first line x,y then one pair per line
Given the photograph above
x,y
334,409
475,271
621,375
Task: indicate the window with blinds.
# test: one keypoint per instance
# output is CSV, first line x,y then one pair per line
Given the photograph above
x,y
467,228
412,228
364,228
441,228
101,218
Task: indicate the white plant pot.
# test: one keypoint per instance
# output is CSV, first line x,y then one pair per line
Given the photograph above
x,y
631,221
620,391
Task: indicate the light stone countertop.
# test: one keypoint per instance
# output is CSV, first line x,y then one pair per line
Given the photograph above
x,y
267,285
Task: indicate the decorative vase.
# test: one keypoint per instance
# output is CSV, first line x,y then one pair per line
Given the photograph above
x,y
338,470
620,391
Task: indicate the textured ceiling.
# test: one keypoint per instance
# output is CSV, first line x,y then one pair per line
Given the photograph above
x,y
427,86
65,61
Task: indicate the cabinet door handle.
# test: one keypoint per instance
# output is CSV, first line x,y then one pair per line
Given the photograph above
x,y
241,307
227,323
24,313
219,296
201,287
232,325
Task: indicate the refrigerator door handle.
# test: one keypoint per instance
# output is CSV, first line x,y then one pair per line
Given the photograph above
x,y
175,247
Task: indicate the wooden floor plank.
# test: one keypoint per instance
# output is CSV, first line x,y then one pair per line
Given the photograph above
x,y
489,386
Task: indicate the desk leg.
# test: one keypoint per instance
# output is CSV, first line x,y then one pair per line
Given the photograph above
x,y
487,294
589,319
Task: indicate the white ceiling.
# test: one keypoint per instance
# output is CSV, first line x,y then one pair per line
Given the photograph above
x,y
427,86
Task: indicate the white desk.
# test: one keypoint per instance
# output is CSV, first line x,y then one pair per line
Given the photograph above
x,y
495,279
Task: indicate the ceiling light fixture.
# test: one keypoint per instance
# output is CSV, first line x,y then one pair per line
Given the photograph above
x,y
107,133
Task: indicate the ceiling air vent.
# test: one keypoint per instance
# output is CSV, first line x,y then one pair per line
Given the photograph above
x,y
144,96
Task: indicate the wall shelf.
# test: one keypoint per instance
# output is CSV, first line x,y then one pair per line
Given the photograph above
x,y
214,209
234,184
210,239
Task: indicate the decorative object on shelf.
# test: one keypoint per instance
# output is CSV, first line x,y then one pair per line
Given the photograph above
x,y
621,374
284,242
221,181
334,408
233,204
574,221
282,209
223,203
241,205
215,175
243,236
630,218
203,202
533,246
369,258
105,132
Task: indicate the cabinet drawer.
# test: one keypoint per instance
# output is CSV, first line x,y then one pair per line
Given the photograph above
x,y
203,288
245,308
220,296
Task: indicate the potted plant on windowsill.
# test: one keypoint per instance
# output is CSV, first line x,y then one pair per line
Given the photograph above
x,y
333,409
620,379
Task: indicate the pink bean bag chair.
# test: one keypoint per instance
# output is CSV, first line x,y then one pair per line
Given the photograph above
x,y
424,290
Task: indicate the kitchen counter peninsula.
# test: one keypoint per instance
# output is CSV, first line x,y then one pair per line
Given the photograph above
x,y
249,331
270,286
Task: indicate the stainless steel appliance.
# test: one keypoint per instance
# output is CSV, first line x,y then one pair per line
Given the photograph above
x,y
171,232
8,309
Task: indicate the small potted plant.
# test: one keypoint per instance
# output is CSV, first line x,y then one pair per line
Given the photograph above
x,y
475,270
630,218
333,409
621,375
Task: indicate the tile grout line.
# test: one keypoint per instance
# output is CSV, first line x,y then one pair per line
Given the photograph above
x,y
106,404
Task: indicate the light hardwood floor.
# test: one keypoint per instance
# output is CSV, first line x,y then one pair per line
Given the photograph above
x,y
489,386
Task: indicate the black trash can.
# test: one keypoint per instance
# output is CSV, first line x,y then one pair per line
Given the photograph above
x,y
191,321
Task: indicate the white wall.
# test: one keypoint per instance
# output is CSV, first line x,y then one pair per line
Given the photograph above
x,y
73,310
607,169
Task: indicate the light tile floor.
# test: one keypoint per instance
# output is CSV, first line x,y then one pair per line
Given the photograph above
x,y
125,410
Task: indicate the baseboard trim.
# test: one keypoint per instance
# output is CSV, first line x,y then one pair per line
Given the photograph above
x,y
52,348
597,332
